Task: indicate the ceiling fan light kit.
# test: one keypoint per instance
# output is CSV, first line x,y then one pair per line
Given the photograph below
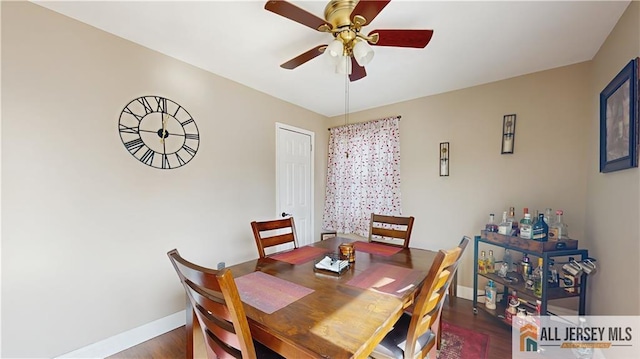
x,y
344,66
350,50
363,53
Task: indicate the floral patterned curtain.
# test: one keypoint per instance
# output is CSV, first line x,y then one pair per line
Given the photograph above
x,y
363,175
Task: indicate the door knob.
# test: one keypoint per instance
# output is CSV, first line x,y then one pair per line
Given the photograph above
x,y
285,214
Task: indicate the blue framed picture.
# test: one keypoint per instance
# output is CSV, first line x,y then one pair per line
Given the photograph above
x,y
619,121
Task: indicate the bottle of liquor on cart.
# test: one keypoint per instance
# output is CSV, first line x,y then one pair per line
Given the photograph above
x,y
508,259
514,224
535,217
505,226
525,211
491,226
526,266
512,307
553,279
525,226
548,214
490,295
537,279
558,230
482,263
490,263
540,230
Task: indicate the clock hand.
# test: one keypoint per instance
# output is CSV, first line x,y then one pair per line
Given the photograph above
x,y
164,128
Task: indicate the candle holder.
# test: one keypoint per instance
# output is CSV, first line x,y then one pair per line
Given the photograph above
x,y
444,159
508,133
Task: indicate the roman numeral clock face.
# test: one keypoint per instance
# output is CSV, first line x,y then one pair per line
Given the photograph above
x,y
159,132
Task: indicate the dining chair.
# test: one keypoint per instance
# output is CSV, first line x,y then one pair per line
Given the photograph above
x,y
214,298
273,233
417,334
391,230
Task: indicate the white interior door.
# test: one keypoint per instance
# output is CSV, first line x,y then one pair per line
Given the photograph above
x,y
294,178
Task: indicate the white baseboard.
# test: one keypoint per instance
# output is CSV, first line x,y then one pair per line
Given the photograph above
x,y
464,292
130,338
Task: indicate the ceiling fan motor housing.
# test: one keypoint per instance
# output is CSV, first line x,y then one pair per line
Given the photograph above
x,y
338,12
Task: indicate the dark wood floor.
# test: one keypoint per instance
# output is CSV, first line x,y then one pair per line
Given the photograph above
x,y
460,312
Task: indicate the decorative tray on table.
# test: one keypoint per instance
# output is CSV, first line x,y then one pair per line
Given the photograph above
x,y
331,263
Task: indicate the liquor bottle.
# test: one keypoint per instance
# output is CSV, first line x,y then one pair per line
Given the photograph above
x,y
514,224
540,230
537,279
505,226
553,280
535,217
482,264
547,216
509,260
512,304
526,266
490,295
525,227
490,263
491,226
558,229
525,211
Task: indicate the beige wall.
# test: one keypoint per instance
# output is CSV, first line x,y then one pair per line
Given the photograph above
x,y
546,170
86,227
613,199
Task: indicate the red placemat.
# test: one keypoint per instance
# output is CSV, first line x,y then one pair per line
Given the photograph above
x,y
376,248
268,293
300,255
387,278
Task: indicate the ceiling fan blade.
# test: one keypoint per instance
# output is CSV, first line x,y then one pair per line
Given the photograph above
x,y
357,71
302,58
292,12
403,38
368,9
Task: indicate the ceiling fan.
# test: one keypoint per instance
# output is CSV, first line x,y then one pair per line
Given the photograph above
x,y
344,19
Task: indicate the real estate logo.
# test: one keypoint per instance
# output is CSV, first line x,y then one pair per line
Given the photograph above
x,y
576,337
528,338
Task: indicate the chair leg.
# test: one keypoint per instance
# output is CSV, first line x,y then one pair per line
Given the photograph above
x,y
453,287
439,334
189,329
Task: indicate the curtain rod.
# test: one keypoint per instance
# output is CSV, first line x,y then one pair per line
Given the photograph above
x,y
399,117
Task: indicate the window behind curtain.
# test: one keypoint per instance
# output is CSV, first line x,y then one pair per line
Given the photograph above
x,y
363,175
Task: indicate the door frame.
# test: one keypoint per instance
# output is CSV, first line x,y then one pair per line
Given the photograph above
x,y
312,135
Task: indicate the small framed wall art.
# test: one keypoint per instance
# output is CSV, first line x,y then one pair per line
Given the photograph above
x,y
444,159
619,120
508,133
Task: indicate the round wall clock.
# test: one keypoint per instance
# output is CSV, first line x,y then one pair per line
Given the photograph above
x,y
159,132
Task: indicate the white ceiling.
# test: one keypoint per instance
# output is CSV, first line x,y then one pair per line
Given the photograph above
x,y
474,42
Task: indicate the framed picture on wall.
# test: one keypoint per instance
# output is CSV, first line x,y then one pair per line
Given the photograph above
x,y
619,121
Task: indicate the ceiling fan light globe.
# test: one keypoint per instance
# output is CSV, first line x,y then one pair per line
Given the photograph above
x,y
331,60
335,49
344,65
363,53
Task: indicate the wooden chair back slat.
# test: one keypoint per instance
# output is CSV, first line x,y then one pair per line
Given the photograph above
x,y
265,238
393,230
428,304
216,302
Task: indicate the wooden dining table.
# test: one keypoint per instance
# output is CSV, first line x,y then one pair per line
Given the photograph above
x,y
327,315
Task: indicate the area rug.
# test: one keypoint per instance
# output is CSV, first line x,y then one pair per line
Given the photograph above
x,y
462,343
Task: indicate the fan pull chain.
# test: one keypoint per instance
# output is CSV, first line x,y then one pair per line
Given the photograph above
x,y
346,100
